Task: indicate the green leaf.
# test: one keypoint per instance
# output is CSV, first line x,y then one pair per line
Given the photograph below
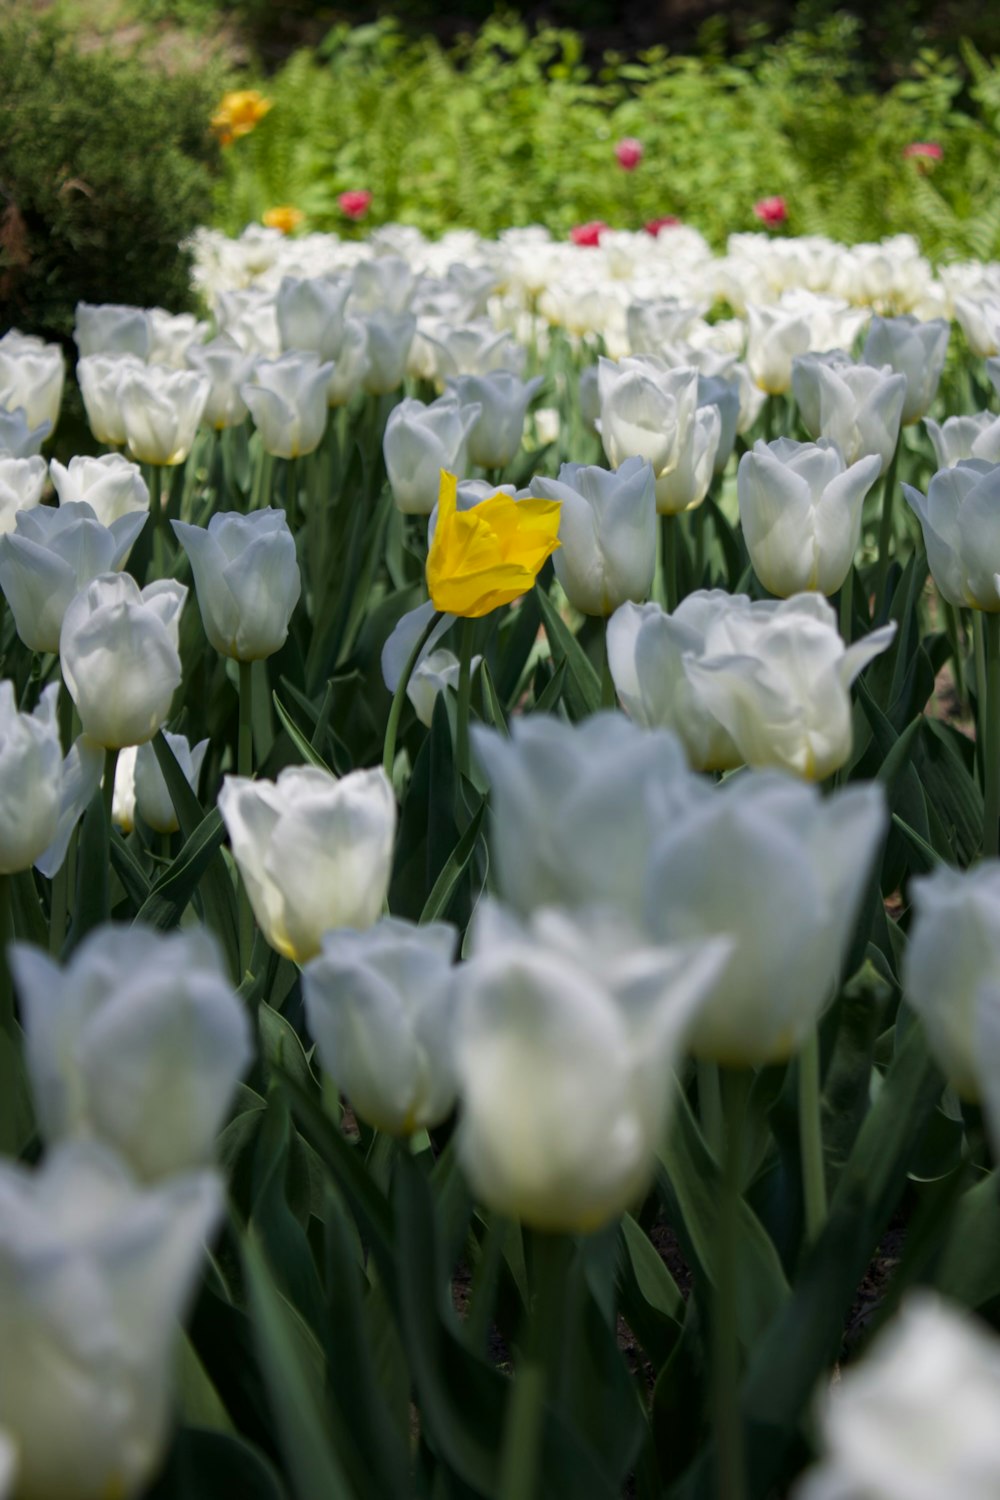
x,y
304,746
215,889
969,1268
492,707
294,1382
128,869
93,889
169,897
651,1302
562,642
444,886
207,1465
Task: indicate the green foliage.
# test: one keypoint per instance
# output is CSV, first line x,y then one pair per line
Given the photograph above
x,y
512,126
106,166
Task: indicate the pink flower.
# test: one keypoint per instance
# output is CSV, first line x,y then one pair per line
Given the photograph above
x,y
588,234
355,204
923,153
665,221
629,153
771,210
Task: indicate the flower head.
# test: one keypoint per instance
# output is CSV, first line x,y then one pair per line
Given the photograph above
x,y
923,152
665,221
629,153
238,113
284,217
771,211
355,204
487,556
588,234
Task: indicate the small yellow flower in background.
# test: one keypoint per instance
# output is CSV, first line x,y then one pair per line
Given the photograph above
x,y
238,113
487,556
283,217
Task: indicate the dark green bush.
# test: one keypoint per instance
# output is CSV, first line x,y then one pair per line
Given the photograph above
x,y
106,164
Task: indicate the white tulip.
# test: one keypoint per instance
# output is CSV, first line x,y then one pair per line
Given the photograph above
x,y
161,410
434,672
247,579
958,438
652,324
120,659
389,336
980,322
800,510
914,1418
172,336
287,400
607,533
649,410
775,336
22,481
567,1034
914,349
138,1042
351,365
110,328
503,399
111,485
311,315
315,852
50,555
574,809
31,766
250,316
781,871
385,283
94,1274
419,442
380,1007
227,368
33,380
99,377
958,520
474,349
18,439
857,406
151,797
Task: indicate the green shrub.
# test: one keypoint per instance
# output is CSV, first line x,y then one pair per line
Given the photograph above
x,y
105,166
511,126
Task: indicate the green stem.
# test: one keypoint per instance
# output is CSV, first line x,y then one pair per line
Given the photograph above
x,y
260,496
59,908
979,651
7,1022
467,642
244,767
885,528
953,619
811,1137
710,1106
156,512
730,1468
108,786
671,586
767,418
291,491
991,743
847,607
524,1427
399,697
483,1290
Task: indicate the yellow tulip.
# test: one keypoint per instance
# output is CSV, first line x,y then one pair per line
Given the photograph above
x,y
487,556
238,113
284,217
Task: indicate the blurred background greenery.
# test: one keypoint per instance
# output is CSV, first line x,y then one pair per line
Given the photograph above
x,y
480,118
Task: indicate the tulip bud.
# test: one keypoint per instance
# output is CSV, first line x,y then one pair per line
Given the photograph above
x,y
226,367
49,556
476,348
119,654
18,439
800,510
384,284
287,399
151,797
110,328
314,852
913,349
389,338
351,365
503,400
172,336
774,337
99,377
959,438
94,1275
247,579
419,442
111,485
160,410
22,481
311,315
857,406
979,317
651,411
607,533
381,1009
33,379
957,517
31,766
138,1042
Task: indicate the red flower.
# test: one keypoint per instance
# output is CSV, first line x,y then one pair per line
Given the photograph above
x,y
629,153
666,221
771,210
923,153
355,204
588,234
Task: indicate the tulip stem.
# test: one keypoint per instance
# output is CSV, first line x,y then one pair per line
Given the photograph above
x,y
399,697
671,585
847,607
608,699
811,1137
484,1281
7,1023
156,511
108,787
730,1468
525,1421
991,740
467,641
244,767
885,528
710,1107
979,651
